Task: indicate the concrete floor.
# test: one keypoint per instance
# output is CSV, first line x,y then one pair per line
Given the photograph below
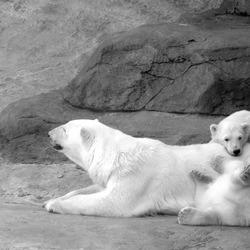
x,y
27,226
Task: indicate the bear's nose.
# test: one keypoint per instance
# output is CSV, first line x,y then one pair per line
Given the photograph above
x,y
236,152
48,134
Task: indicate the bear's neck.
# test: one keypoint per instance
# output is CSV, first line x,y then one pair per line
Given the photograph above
x,y
102,162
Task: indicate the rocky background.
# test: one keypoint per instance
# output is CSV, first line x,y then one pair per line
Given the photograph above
x,y
164,69
149,68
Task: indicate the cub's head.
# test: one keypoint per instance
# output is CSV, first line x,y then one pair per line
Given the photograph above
x,y
76,138
232,137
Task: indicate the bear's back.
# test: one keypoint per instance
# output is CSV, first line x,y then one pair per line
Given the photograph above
x,y
242,116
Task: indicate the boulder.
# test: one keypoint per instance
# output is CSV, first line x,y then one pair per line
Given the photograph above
x,y
236,7
45,43
199,64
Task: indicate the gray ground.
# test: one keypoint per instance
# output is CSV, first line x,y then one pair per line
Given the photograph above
x,y
26,226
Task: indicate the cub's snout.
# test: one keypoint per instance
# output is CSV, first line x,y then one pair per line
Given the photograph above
x,y
236,152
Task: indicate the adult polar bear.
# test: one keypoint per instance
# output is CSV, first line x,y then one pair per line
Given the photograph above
x,y
132,176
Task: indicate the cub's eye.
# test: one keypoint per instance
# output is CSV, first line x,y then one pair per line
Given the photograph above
x,y
240,138
226,139
64,130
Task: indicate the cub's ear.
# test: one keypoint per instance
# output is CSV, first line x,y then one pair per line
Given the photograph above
x,y
87,136
213,129
245,127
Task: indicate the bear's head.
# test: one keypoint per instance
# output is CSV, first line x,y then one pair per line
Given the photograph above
x,y
232,137
76,138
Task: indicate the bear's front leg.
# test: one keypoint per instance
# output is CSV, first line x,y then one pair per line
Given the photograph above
x,y
88,190
103,203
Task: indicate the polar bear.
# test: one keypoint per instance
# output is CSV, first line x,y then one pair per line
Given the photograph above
x,y
224,201
131,176
232,132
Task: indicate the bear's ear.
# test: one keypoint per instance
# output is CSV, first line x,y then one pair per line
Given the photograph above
x,y
245,127
213,129
87,136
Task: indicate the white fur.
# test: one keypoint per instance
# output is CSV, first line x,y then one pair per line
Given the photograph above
x,y
232,132
132,176
226,201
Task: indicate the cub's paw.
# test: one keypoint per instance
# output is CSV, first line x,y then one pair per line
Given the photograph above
x,y
186,215
217,164
200,176
245,174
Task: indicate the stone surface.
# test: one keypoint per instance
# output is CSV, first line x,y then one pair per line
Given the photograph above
x,y
236,7
24,226
40,182
24,126
45,43
197,65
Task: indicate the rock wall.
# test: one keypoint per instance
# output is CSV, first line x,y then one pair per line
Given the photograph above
x,y
180,67
24,126
45,43
155,75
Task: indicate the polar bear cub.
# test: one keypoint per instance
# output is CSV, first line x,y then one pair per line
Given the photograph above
x,y
225,201
232,132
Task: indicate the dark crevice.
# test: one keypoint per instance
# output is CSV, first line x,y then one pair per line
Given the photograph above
x,y
154,96
156,76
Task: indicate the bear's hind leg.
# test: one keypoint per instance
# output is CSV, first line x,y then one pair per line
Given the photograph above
x,y
193,216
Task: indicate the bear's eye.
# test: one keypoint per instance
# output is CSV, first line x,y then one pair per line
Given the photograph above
x,y
226,139
240,138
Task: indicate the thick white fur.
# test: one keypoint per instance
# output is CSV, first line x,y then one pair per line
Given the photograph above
x,y
232,132
132,176
226,201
